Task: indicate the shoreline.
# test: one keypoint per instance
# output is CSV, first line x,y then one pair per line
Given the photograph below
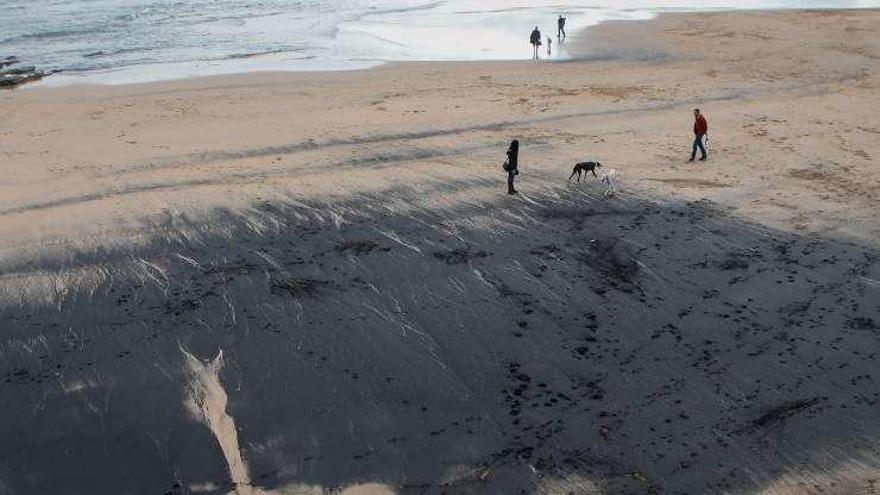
x,y
579,35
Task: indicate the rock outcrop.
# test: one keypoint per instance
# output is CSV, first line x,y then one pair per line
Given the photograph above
x,y
12,74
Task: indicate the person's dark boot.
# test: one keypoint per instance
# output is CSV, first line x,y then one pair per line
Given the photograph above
x,y
703,159
512,191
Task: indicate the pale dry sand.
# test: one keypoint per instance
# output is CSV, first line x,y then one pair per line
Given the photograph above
x,y
791,99
391,322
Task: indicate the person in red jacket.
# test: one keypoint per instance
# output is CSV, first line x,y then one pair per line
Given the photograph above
x,y
701,128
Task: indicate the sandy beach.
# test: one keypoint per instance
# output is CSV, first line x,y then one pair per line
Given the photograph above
x,y
286,283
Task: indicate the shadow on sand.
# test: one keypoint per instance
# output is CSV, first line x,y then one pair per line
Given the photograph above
x,y
546,344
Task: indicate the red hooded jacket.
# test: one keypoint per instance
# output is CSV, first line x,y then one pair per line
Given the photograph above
x,y
701,127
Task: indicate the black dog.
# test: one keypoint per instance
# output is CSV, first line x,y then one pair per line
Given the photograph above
x,y
585,167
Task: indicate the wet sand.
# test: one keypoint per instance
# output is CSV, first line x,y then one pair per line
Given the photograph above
x,y
312,283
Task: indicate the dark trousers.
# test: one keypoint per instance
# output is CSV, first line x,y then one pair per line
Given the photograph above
x,y
698,143
510,175
561,32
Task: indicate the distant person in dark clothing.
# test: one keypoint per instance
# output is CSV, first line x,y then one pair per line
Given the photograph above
x,y
560,23
511,165
701,128
535,40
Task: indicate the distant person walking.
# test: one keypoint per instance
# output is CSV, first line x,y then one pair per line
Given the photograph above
x,y
511,165
701,128
535,40
549,46
560,24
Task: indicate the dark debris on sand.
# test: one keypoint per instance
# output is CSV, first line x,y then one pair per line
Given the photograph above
x,y
297,287
357,246
459,256
784,411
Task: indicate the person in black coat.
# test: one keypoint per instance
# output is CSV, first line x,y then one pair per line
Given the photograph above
x,y
535,40
511,166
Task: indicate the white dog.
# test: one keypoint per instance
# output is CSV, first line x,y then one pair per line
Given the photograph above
x,y
609,180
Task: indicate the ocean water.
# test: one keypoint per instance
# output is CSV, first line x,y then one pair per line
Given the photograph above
x,y
116,41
